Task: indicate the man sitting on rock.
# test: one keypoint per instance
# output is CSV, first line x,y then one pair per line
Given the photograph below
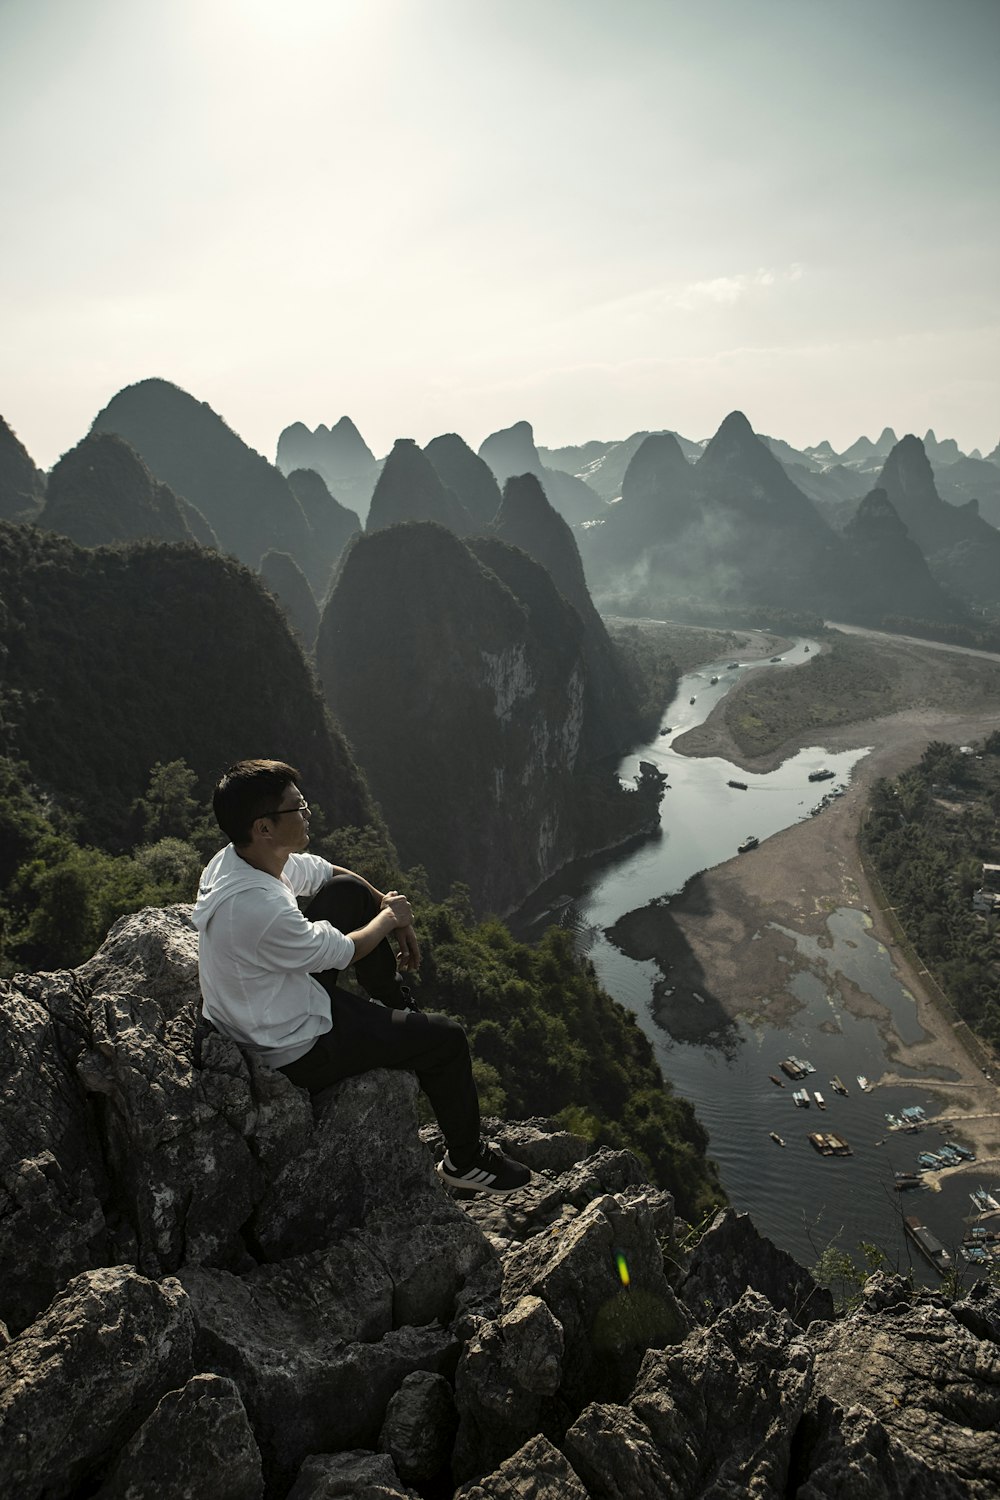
x,y
269,970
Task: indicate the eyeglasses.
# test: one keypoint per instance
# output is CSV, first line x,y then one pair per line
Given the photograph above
x,y
279,812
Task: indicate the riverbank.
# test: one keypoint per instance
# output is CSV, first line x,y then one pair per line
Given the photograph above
x,y
722,942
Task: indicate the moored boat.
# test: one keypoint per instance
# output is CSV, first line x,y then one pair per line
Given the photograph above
x,y
820,1101
828,1144
837,1086
928,1243
801,1097
750,842
779,1081
863,1083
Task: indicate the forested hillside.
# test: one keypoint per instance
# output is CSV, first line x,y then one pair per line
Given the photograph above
x,y
928,834
115,658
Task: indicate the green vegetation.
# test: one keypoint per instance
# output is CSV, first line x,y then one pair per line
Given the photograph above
x,y
852,680
547,1039
59,897
841,685
927,836
982,637
119,657
837,1270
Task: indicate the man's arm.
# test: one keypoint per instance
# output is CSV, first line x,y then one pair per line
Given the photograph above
x,y
406,938
394,917
340,870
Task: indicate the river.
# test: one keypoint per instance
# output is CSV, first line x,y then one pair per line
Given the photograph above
x,y
800,1200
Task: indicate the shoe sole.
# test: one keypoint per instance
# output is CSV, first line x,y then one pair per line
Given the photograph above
x,y
479,1187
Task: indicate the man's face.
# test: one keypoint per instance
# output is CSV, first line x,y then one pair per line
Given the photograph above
x,y
290,822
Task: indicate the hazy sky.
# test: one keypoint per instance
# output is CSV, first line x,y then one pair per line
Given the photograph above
x,y
447,215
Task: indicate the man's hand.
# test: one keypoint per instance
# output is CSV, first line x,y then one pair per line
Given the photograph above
x,y
406,938
409,949
400,908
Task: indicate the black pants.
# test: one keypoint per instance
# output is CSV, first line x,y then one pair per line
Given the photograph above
x,y
365,1035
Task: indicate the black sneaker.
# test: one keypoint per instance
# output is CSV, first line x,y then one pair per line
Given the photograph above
x,y
490,1172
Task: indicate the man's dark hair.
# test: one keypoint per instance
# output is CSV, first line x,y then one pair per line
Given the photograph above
x,y
248,790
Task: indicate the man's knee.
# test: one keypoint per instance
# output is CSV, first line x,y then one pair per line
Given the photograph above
x,y
450,1037
345,901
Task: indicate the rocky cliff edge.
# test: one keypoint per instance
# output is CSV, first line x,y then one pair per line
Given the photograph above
x,y
216,1288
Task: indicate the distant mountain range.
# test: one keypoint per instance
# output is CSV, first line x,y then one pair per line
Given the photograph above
x,y
449,600
735,528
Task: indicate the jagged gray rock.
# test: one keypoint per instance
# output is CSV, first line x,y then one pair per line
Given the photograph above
x,y
580,1305
311,1347
902,1385
717,1415
732,1255
359,1475
196,1445
77,1383
328,1291
509,1371
419,1428
51,1176
537,1471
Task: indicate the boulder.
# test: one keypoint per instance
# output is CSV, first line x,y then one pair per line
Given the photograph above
x,y
903,1385
310,1346
716,1415
196,1445
419,1428
358,1475
76,1384
52,1177
580,1305
731,1256
537,1471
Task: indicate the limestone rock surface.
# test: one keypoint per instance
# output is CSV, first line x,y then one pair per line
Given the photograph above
x,y
215,1288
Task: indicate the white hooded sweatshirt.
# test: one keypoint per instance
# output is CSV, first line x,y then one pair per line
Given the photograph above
x,y
257,954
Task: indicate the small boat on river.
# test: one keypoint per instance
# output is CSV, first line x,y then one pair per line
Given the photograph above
x,y
801,1097
823,775
863,1083
714,681
750,842
927,1243
779,1081
830,1145
820,1101
776,1138
905,1181
740,786
837,1086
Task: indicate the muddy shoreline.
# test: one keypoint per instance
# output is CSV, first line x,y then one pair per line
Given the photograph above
x,y
723,956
